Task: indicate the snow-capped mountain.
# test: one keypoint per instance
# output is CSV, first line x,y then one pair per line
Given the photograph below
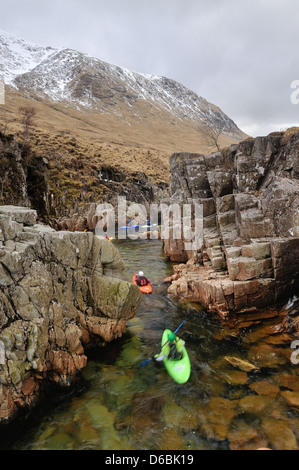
x,y
84,82
18,56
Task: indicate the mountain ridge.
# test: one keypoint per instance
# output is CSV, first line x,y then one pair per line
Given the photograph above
x,y
87,83
18,56
99,131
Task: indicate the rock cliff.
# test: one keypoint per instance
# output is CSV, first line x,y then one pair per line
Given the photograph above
x,y
249,259
62,184
60,293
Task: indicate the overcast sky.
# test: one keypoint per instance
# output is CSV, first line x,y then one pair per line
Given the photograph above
x,y
241,55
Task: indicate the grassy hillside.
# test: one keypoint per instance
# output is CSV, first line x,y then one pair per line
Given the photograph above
x,y
104,139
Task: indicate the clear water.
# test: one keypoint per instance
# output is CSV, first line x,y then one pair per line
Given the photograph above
x,y
118,405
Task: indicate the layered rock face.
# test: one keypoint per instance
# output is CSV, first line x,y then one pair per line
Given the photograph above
x,y
60,292
249,259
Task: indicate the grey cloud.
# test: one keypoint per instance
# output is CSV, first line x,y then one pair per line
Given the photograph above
x,y
240,55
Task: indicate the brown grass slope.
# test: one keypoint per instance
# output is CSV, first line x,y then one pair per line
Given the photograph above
x,y
143,144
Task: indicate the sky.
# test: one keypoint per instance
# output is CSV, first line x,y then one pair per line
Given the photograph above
x,y
241,55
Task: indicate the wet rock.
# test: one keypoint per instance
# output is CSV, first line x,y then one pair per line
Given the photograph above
x,y
291,382
60,440
215,384
178,417
171,440
291,397
103,420
241,435
274,329
55,299
280,436
279,339
264,355
234,377
88,435
294,423
215,418
255,335
240,363
254,404
263,387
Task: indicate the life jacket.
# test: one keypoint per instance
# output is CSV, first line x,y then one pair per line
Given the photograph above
x,y
173,351
142,281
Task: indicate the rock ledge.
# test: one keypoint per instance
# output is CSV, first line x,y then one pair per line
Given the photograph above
x,y
60,293
249,259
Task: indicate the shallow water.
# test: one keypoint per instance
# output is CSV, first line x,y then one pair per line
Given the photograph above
x,y
118,405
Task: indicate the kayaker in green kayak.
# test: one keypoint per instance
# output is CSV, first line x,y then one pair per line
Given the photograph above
x,y
174,357
175,346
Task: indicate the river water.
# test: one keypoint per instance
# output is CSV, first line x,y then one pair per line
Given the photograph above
x,y
118,405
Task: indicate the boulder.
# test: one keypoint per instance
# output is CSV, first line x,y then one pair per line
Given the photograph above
x,y
60,293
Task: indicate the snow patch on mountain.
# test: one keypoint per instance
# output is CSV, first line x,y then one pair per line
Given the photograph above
x,y
19,56
81,81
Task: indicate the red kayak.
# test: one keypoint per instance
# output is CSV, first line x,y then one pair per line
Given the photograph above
x,y
145,289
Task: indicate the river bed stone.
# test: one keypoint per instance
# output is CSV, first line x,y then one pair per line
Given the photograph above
x,y
215,418
255,404
241,435
280,436
263,387
240,363
291,397
234,377
264,355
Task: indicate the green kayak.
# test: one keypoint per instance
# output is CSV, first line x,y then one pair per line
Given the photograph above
x,y
178,369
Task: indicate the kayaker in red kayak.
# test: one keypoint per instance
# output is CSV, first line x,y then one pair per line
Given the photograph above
x,y
141,280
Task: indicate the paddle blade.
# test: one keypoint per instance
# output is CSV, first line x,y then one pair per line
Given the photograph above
x,y
145,362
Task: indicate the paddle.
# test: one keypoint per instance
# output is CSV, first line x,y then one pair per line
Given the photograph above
x,y
150,359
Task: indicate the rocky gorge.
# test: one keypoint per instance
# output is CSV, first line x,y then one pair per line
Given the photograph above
x,y
61,289
249,258
60,294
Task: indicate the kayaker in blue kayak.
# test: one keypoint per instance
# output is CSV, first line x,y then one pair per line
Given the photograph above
x,y
175,349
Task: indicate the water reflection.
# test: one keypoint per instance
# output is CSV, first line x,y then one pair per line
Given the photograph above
x,y
242,393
